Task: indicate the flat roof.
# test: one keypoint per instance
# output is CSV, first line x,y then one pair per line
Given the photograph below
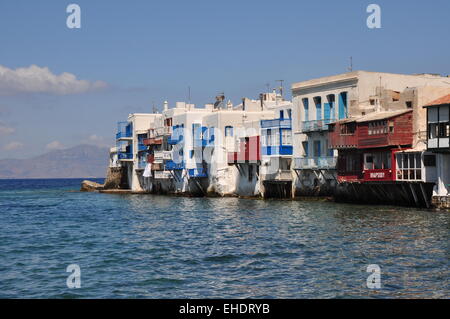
x,y
375,116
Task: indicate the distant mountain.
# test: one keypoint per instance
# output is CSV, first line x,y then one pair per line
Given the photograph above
x,y
82,161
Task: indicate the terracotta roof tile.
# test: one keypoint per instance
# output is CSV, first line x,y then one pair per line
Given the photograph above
x,y
440,101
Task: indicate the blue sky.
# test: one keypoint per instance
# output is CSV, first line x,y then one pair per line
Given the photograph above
x,y
149,51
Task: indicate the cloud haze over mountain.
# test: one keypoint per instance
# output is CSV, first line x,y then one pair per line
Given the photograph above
x,y
83,161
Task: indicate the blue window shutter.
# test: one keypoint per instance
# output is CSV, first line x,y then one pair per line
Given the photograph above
x,y
306,109
343,113
326,111
318,111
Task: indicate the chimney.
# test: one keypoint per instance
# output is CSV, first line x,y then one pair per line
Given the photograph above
x,y
166,105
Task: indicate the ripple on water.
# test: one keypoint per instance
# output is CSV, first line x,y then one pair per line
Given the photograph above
x,y
175,247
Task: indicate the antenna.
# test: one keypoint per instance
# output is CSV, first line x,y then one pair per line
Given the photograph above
x,y
281,87
268,87
350,69
189,95
153,108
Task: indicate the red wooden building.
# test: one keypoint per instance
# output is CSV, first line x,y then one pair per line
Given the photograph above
x,y
367,145
249,151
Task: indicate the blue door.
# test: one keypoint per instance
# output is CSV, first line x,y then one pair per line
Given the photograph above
x,y
317,149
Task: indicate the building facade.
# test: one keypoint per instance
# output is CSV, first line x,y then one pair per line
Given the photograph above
x,y
320,102
438,142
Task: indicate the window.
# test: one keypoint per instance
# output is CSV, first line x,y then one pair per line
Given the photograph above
x,y
305,148
348,128
391,127
352,163
228,131
286,136
409,167
289,112
318,103
444,129
211,134
269,138
378,160
317,149
196,131
306,109
368,161
429,160
378,127
281,114
433,130
409,105
343,105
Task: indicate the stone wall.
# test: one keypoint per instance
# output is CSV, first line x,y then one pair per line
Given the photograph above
x,y
441,202
116,178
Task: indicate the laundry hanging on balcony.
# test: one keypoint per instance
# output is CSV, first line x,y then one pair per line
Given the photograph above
x,y
148,170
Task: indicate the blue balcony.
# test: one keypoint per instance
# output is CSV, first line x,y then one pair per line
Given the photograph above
x,y
277,123
316,126
120,135
142,147
175,141
172,166
210,142
125,156
277,150
177,135
197,173
124,130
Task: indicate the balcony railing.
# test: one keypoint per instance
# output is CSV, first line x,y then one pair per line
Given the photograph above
x,y
124,134
172,166
142,147
166,130
286,150
324,162
124,130
197,173
152,141
317,125
163,155
280,123
125,156
163,175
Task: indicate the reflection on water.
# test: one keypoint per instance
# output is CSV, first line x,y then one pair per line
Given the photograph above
x,y
175,247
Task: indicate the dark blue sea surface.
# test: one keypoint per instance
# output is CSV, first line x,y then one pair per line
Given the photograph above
x,y
145,246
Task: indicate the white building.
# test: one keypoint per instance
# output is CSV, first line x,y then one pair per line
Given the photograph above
x,y
129,143
438,141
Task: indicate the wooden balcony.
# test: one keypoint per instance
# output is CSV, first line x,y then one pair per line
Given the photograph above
x,y
152,141
249,151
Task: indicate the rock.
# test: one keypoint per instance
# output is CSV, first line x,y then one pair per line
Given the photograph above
x,y
116,178
88,186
